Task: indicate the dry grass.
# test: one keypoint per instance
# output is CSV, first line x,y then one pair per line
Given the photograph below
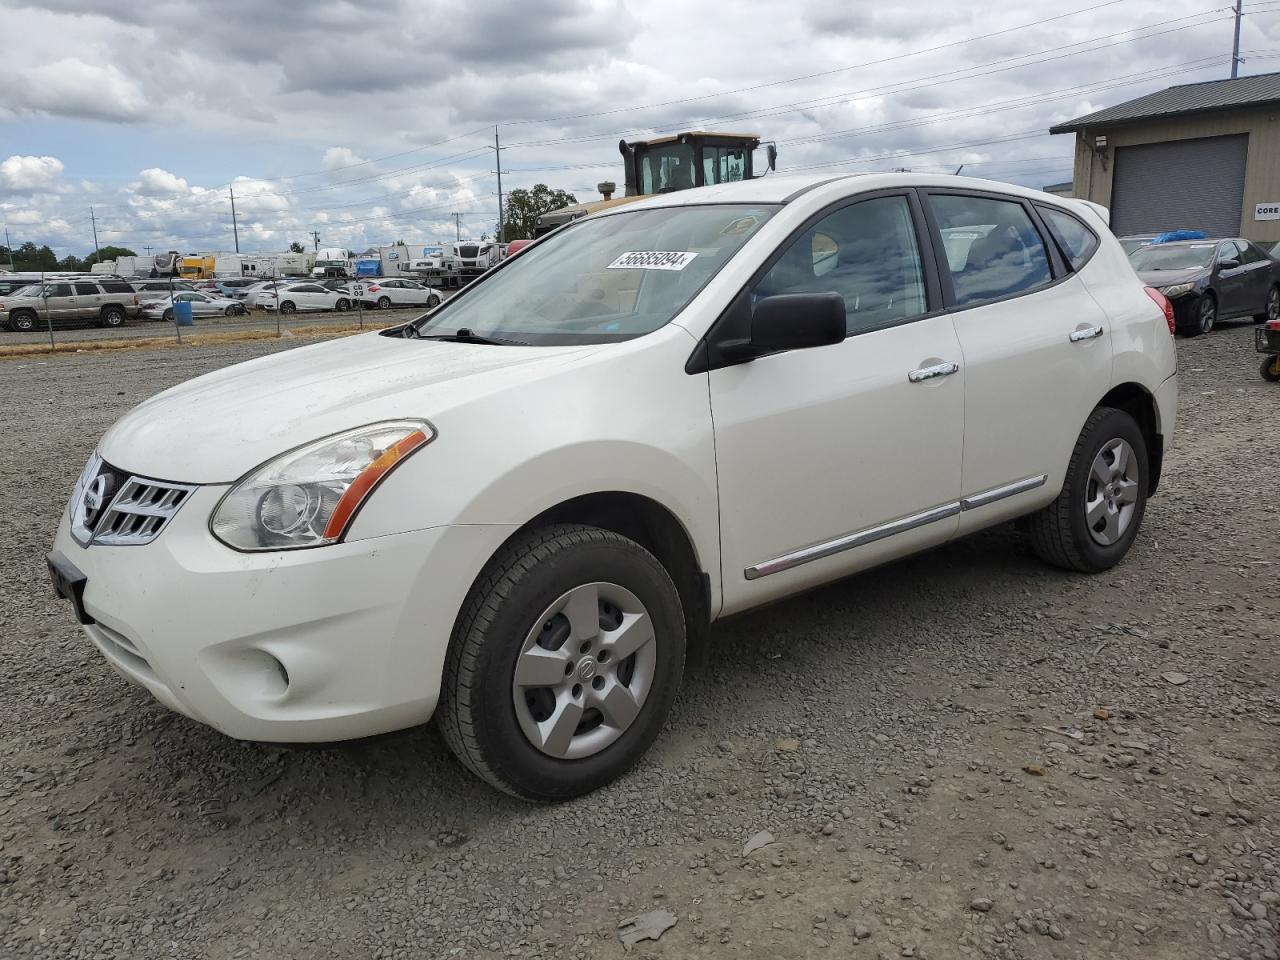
x,y
215,338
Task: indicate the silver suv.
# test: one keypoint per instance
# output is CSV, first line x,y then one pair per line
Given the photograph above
x,y
104,302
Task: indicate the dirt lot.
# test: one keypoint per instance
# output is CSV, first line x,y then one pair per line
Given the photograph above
x,y
965,754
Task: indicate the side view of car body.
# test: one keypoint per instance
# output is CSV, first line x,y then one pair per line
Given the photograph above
x,y
514,513
1212,280
202,305
381,294
305,296
105,302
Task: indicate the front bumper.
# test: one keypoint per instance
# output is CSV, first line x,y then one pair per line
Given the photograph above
x,y
317,645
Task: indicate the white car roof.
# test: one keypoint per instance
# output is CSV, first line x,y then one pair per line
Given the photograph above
x,y
776,188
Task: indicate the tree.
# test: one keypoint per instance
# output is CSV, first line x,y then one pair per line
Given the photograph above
x,y
72,264
108,253
524,207
296,247
30,258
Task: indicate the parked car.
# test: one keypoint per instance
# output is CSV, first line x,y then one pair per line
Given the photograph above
x,y
1136,242
226,286
304,296
1211,280
515,511
104,302
394,292
201,306
159,289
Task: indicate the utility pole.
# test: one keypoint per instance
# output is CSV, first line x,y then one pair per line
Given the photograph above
x,y
235,229
497,149
457,225
1235,46
94,221
148,249
8,246
315,237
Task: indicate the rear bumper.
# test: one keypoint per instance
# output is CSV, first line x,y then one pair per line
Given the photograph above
x,y
1267,341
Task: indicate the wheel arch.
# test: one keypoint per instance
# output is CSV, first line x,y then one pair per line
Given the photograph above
x,y
1135,400
650,524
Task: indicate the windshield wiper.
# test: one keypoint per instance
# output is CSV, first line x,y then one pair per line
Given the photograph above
x,y
465,335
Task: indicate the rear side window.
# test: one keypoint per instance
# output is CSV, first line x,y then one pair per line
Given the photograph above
x,y
867,253
116,286
993,249
87,289
1077,241
1249,253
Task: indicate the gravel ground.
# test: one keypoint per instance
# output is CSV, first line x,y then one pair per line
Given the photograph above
x,y
257,320
964,754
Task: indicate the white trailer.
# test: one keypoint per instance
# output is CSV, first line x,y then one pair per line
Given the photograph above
x,y
477,256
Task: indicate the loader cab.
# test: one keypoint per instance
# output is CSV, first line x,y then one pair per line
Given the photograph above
x,y
686,160
666,164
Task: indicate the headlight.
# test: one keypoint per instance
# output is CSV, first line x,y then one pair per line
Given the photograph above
x,y
1177,290
309,496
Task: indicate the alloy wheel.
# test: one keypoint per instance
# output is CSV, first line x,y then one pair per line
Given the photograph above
x,y
1206,315
584,671
1273,304
1112,492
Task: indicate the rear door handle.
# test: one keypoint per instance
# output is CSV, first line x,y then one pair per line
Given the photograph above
x,y
1087,333
944,369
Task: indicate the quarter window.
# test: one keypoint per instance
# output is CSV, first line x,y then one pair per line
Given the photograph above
x,y
1076,240
993,249
865,252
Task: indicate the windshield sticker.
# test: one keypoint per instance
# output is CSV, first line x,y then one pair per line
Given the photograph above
x,y
653,260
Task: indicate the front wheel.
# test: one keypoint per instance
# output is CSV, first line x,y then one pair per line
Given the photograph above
x,y
22,321
1271,309
433,301
288,307
564,663
1094,521
230,312
342,306
1270,369
1206,315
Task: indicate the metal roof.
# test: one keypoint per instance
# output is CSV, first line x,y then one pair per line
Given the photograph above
x,y
1184,99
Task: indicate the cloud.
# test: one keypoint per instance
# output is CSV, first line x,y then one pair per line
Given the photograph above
x,y
337,157
70,87
29,174
154,182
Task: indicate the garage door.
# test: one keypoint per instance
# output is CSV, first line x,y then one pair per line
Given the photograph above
x,y
1182,185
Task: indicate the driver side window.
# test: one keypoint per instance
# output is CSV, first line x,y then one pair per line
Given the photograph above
x,y
865,252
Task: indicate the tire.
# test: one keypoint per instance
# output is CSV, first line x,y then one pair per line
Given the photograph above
x,y
1061,533
509,616
342,306
288,307
1270,368
112,317
1205,316
1271,309
168,315
433,301
384,303
230,312
22,321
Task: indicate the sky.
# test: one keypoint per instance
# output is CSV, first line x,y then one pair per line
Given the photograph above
x,y
373,123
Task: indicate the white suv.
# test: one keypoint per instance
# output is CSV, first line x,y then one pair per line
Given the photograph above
x,y
515,512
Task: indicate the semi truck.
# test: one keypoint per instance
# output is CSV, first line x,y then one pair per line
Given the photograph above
x,y
332,262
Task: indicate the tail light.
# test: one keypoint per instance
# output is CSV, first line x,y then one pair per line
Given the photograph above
x,y
1271,324
135,299
374,289
1163,303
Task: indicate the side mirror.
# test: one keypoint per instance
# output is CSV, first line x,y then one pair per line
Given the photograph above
x,y
791,321
1228,264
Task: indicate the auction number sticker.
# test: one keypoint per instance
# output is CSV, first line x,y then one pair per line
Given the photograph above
x,y
653,260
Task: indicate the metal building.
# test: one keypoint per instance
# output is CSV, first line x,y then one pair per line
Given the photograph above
x,y
1200,156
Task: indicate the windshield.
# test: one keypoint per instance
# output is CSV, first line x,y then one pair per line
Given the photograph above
x,y
602,280
666,168
1158,256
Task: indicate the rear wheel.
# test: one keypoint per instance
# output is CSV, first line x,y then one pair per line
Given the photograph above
x,y
112,316
1271,309
1094,521
1270,369
22,321
384,303
564,663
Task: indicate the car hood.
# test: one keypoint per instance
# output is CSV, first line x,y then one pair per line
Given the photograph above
x,y
1167,278
216,428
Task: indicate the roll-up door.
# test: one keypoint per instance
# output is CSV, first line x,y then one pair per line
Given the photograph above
x,y
1180,185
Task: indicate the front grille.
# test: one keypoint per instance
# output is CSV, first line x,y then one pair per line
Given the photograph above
x,y
468,251
115,508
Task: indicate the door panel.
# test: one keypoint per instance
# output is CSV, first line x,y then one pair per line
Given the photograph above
x,y
1232,285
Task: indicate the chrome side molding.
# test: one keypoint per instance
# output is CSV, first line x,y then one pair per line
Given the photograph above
x,y
861,538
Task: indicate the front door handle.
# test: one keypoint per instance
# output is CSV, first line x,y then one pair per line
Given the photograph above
x,y
1087,333
944,369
